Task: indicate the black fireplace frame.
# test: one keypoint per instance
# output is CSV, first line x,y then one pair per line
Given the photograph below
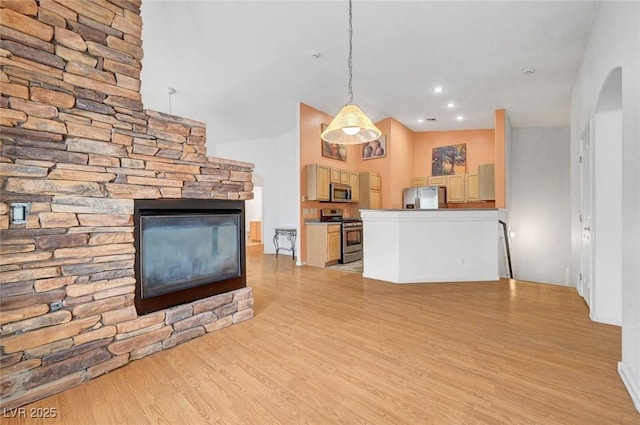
x,y
159,207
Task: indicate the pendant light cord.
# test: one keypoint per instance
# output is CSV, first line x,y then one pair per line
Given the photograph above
x,y
350,60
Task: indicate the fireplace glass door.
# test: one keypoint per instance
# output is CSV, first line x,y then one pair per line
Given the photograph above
x,y
187,250
180,252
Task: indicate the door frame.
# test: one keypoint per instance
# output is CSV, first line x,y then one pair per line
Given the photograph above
x,y
586,183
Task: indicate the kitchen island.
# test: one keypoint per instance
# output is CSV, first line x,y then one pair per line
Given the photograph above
x,y
440,245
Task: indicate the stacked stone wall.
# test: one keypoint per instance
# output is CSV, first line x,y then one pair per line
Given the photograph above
x,y
78,147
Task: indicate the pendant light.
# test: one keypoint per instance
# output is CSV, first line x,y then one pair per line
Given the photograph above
x,y
351,126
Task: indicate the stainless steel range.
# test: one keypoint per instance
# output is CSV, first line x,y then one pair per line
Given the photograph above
x,y
351,234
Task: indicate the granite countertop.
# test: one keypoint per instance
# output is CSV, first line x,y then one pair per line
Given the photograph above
x,y
317,222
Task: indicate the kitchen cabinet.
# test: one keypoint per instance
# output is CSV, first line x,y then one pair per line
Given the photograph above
x,y
455,188
255,231
420,181
375,200
323,244
317,182
345,176
339,176
471,188
334,177
438,181
463,187
370,191
486,182
354,182
375,181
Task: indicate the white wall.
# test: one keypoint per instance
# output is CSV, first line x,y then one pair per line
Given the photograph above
x,y
253,207
540,204
606,305
276,162
614,42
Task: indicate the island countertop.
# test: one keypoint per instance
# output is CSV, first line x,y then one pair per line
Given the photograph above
x,y
443,245
436,210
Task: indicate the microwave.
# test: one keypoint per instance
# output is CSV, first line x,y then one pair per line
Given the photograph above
x,y
339,192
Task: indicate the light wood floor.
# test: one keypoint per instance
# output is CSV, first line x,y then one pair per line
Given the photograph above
x,y
329,347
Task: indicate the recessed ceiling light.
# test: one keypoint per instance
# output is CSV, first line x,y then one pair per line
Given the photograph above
x,y
420,120
451,105
438,89
459,117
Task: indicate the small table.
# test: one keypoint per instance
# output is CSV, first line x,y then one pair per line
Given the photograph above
x,y
291,234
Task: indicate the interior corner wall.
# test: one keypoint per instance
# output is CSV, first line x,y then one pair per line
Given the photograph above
x,y
276,160
400,153
615,42
540,204
606,304
508,168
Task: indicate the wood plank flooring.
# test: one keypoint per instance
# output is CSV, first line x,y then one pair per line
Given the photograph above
x,y
329,347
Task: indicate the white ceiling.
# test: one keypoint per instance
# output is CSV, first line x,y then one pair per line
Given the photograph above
x,y
242,67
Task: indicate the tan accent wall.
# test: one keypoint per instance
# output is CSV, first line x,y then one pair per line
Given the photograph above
x,y
500,179
480,148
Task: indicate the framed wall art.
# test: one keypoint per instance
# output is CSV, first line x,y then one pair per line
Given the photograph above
x,y
447,160
333,150
375,149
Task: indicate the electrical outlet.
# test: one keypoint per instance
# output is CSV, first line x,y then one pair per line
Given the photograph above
x,y
56,305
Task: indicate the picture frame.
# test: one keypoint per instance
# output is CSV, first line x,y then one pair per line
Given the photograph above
x,y
449,160
332,150
375,149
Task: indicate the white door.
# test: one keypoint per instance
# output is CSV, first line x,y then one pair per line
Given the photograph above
x,y
585,284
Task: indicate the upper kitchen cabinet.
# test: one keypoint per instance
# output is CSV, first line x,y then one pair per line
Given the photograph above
x,y
317,182
455,188
370,191
471,188
420,181
486,182
437,180
354,182
339,176
345,177
334,176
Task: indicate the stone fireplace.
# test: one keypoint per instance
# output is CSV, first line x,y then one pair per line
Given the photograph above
x,y
78,148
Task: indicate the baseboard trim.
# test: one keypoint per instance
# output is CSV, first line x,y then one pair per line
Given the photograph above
x,y
605,320
634,392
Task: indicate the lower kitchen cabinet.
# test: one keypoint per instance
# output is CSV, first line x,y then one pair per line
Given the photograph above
x,y
323,244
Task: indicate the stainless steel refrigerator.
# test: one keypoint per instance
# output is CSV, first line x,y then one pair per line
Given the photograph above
x,y
424,198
